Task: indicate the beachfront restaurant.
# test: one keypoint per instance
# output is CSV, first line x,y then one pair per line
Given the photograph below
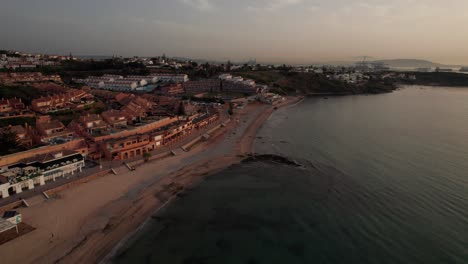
x,y
37,170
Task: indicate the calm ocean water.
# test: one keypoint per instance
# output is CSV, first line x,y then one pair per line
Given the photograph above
x,y
385,180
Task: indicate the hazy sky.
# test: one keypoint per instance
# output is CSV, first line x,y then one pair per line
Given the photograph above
x,y
293,31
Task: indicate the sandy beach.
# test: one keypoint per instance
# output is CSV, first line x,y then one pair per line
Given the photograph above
x,y
84,223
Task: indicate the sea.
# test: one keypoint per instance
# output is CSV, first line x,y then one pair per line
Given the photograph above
x,y
369,179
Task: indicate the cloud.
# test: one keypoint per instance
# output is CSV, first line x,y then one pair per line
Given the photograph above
x,y
202,5
313,8
274,5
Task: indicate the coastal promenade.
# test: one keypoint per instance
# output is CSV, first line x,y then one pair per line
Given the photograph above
x,y
94,167
84,223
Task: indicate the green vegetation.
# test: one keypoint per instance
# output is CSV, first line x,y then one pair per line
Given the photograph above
x,y
67,116
47,70
92,65
147,156
231,109
201,71
181,109
287,82
381,86
26,93
18,121
263,77
84,68
8,142
439,78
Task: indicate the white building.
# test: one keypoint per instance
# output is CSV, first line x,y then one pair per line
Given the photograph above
x,y
249,82
225,76
118,83
38,170
237,79
171,77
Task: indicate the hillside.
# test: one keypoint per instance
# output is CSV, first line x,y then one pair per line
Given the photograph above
x,y
411,63
310,83
439,79
26,93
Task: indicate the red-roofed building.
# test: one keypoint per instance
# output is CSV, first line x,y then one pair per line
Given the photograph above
x,y
11,106
115,118
52,131
69,100
93,125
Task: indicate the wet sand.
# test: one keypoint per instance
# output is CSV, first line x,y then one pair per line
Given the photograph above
x,y
83,224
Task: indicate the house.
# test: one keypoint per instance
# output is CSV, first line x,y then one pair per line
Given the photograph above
x,y
23,135
163,77
176,131
115,118
202,86
21,77
239,86
124,98
173,89
52,131
70,100
5,106
93,124
148,79
118,82
130,147
203,120
136,108
11,106
49,104
119,85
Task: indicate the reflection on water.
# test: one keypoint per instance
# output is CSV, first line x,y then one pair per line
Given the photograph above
x,y
385,181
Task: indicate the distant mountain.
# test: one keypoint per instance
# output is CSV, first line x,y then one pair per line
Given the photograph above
x,y
413,63
334,63
393,63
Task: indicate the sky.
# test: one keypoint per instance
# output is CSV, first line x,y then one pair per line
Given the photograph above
x,y
287,31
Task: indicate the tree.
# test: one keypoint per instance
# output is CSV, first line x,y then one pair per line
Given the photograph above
x,y
8,141
181,109
231,109
147,156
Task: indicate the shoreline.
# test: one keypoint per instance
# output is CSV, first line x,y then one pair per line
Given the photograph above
x,y
243,148
98,229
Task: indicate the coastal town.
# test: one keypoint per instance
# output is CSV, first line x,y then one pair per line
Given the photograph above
x,y
70,124
135,125
57,121
217,131
58,132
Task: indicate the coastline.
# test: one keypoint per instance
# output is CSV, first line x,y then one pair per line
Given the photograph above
x,y
244,147
98,229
